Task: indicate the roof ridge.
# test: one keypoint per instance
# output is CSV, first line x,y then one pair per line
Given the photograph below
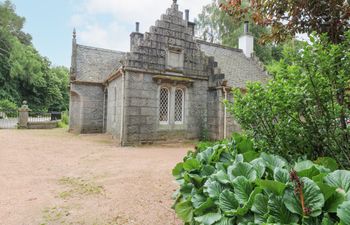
x,y
101,49
218,45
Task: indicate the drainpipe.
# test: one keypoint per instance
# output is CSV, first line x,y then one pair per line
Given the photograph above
x,y
225,113
122,108
104,110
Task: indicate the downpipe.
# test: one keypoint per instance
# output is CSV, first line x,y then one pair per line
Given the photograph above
x,y
225,113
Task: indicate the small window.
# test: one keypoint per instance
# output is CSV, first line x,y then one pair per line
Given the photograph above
x,y
179,106
164,106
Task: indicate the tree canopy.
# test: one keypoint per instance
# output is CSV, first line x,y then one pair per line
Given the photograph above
x,y
288,18
24,73
216,26
299,111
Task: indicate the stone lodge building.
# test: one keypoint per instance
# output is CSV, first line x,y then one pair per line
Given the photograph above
x,y
170,86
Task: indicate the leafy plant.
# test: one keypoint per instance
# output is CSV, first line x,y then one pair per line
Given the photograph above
x,y
234,183
8,108
303,109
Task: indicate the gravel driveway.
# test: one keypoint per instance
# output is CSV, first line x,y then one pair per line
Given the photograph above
x,y
53,177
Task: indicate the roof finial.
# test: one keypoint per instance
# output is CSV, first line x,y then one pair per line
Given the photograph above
x,y
74,33
174,1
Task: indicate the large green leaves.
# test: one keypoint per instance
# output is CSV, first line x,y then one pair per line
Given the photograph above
x,y
217,190
339,179
274,186
259,208
273,161
213,188
278,212
327,162
343,213
243,169
208,219
306,169
281,175
312,195
243,188
191,165
227,201
184,210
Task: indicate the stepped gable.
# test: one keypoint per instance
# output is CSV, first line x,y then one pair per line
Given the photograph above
x,y
172,33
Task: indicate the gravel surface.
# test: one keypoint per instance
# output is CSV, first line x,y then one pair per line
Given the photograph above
x,y
53,177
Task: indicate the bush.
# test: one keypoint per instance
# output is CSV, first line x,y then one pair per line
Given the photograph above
x,y
64,121
304,108
235,184
8,107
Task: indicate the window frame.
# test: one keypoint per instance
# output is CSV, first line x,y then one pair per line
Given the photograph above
x,y
182,105
167,122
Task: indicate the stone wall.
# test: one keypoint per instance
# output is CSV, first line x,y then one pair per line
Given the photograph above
x,y
142,110
114,107
75,111
91,107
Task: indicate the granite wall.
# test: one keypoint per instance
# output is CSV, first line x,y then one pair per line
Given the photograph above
x,y
87,109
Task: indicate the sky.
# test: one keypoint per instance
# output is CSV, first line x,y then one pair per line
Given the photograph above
x,y
99,23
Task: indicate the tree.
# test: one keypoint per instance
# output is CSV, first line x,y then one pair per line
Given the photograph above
x,y
216,26
298,112
24,73
288,18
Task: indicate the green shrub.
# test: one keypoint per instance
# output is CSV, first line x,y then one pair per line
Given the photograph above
x,y
65,118
235,184
64,121
304,108
8,107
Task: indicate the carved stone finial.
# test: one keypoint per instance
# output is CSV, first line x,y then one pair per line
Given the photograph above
x,y
74,33
174,1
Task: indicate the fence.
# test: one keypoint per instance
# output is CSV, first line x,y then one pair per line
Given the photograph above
x,y
8,119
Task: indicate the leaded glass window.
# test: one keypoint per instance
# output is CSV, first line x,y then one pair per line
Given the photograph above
x,y
164,106
179,105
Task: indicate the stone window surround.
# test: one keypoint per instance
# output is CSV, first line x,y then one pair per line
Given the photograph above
x,y
172,124
174,66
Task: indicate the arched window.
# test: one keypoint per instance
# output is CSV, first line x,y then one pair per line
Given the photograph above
x,y
164,106
179,106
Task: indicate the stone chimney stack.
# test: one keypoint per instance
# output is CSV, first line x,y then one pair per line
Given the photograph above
x,y
135,37
191,25
246,41
137,27
187,13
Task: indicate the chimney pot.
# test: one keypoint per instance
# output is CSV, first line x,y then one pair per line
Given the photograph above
x,y
137,27
246,27
187,13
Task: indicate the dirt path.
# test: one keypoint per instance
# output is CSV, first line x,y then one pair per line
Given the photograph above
x,y
52,177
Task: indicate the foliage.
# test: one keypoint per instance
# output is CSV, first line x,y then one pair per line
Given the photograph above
x,y
24,73
235,184
64,122
214,25
288,18
202,145
302,111
6,105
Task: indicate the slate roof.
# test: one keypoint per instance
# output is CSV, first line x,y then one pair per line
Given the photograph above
x,y
237,68
96,64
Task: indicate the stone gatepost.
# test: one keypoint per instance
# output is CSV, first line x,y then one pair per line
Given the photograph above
x,y
23,116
